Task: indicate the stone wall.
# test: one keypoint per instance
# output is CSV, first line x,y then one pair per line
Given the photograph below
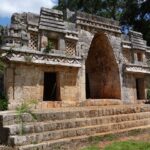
x,y
112,61
25,82
129,89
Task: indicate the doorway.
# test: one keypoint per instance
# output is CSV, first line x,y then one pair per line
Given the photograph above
x,y
140,90
88,95
50,86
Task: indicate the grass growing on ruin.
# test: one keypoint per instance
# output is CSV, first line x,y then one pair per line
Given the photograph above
x,y
25,108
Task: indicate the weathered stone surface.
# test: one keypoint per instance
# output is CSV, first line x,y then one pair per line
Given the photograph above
x,y
89,54
64,127
28,85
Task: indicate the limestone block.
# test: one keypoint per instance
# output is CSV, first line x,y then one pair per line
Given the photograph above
x,y
44,41
10,75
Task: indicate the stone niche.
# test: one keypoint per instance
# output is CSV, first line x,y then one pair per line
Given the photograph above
x,y
102,72
54,38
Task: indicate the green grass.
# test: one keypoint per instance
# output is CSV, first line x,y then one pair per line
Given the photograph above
x,y
91,148
128,145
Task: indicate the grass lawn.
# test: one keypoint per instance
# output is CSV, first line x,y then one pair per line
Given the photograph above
x,y
91,148
126,145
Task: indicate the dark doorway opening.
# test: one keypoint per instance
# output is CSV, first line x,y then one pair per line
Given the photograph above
x,y
50,86
140,90
88,95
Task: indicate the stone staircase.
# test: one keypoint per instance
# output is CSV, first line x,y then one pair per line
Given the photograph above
x,y
69,128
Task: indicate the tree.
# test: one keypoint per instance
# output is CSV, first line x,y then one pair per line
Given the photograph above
x,y
133,13
89,6
142,22
112,9
1,34
1,39
137,15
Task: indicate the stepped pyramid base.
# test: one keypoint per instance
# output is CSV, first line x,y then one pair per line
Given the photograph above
x,y
72,127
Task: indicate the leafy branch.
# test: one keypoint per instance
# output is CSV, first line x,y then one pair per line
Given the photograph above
x,y
2,67
49,46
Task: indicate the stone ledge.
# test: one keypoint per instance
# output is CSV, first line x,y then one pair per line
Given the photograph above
x,y
130,68
36,57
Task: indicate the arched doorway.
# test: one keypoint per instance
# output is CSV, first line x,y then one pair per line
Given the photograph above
x,y
102,72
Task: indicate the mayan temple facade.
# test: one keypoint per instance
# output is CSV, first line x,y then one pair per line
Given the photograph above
x,y
73,59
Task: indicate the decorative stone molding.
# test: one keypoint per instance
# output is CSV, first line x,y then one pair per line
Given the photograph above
x,y
97,27
33,42
95,23
137,69
40,58
148,49
70,48
71,35
126,44
137,40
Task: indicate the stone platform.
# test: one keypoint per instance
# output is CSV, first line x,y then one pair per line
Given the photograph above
x,y
69,128
89,102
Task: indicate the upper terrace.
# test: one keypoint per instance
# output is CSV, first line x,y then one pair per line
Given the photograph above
x,y
29,35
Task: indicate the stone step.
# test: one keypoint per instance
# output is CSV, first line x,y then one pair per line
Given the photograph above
x,y
37,127
74,132
70,113
75,143
101,102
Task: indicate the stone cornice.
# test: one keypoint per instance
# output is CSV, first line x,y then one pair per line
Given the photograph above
x,y
99,26
36,57
126,44
148,49
131,68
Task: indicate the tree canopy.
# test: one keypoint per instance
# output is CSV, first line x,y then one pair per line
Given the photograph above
x,y
132,13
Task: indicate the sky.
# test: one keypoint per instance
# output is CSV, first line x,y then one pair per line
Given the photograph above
x,y
8,7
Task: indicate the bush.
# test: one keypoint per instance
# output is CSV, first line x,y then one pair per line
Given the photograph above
x,y
3,103
148,93
25,107
2,66
49,47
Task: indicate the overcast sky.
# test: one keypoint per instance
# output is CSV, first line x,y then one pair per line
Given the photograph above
x,y
7,7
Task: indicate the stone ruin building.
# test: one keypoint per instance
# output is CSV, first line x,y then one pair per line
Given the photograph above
x,y
73,59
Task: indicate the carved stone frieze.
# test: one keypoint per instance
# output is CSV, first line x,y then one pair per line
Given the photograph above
x,y
40,58
137,69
